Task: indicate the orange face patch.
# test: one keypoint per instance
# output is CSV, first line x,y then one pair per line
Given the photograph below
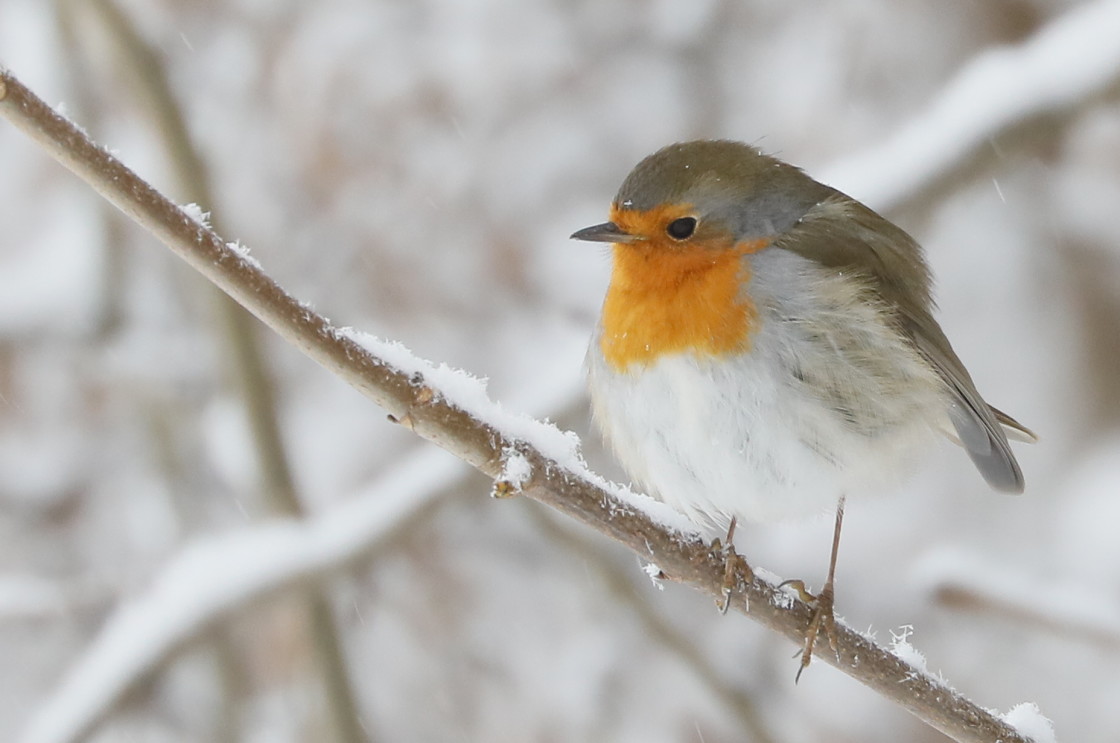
x,y
668,296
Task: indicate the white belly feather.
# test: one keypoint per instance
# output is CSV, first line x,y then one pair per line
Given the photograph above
x,y
828,401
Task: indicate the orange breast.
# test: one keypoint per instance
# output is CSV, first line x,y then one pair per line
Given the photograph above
x,y
667,299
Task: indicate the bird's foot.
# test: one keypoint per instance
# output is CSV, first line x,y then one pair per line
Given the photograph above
x,y
735,569
823,618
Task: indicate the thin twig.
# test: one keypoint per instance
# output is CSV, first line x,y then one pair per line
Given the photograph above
x,y
411,398
244,361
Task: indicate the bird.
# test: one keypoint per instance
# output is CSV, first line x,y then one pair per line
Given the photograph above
x,y
767,347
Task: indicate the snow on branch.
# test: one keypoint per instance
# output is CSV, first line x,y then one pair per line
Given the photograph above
x,y
1066,63
215,575
452,411
1080,612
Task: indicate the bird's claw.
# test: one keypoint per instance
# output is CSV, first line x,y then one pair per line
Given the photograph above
x,y
734,569
823,618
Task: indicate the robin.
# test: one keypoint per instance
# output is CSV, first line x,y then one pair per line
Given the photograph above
x,y
767,347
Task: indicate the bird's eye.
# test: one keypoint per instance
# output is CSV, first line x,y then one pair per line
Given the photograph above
x,y
681,229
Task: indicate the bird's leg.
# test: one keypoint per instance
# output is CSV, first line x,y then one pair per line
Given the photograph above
x,y
823,616
731,561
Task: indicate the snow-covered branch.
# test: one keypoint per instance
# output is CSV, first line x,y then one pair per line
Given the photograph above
x,y
1069,61
452,410
1079,612
214,576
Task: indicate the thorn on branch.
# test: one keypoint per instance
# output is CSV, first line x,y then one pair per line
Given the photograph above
x,y
405,420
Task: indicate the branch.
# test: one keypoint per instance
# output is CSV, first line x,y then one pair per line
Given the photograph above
x,y
1077,612
452,411
1068,62
214,576
245,362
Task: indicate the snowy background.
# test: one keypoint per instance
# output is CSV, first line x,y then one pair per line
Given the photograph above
x,y
413,168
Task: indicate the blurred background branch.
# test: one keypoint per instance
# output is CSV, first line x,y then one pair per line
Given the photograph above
x,y
241,354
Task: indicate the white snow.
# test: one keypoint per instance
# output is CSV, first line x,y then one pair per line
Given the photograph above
x,y
243,253
1030,722
900,646
1082,608
467,392
1069,60
516,469
200,216
214,573
655,575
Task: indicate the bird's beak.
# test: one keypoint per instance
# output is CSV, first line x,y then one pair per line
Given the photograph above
x,y
607,232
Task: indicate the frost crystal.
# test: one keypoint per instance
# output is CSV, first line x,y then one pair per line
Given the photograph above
x,y
900,646
1031,723
195,212
243,253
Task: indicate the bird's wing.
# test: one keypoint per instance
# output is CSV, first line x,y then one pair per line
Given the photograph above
x,y
840,232
977,423
1013,429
